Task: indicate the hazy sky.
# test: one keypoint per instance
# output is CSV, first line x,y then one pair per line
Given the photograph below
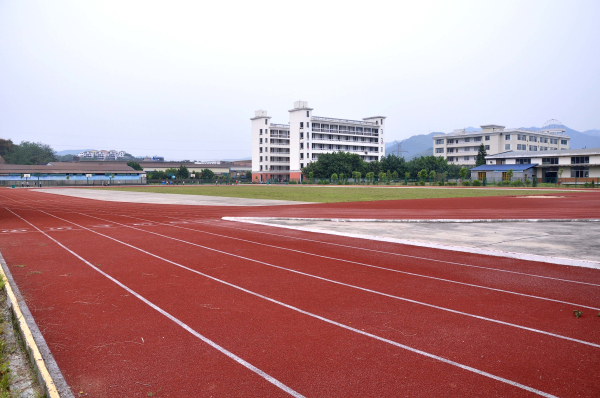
x,y
182,79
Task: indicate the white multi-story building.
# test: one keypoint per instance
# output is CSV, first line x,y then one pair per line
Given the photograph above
x,y
461,147
101,155
281,151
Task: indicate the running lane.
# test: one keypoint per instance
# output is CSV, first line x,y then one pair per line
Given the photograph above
x,y
342,304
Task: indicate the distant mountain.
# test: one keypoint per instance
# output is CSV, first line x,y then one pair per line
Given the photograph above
x,y
71,152
414,146
421,145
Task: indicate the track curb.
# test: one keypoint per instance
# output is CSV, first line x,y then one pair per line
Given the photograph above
x,y
47,372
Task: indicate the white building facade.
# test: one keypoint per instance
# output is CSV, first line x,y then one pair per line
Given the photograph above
x,y
461,147
102,155
569,165
281,151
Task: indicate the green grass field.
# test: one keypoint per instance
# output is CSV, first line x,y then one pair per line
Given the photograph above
x,y
330,194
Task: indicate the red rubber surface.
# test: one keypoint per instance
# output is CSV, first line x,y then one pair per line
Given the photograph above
x,y
109,343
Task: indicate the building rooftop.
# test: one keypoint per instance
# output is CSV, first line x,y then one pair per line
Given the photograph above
x,y
71,168
543,154
342,121
559,133
504,167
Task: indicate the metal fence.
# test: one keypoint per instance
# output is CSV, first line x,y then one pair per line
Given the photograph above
x,y
34,183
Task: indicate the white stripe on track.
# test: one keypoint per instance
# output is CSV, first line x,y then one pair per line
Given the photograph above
x,y
326,280
231,355
391,342
220,224
320,278
364,264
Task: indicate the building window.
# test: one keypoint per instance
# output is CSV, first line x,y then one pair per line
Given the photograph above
x,y
450,141
507,146
549,160
307,124
532,138
307,114
467,158
523,161
533,148
266,121
507,137
481,175
439,142
477,139
261,158
467,140
487,147
580,159
260,142
301,124
439,150
505,176
450,159
580,172
563,142
450,150
260,132
487,137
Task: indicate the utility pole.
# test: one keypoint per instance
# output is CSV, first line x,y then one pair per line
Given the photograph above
x,y
398,149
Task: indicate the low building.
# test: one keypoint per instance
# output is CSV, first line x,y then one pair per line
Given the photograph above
x,y
461,147
569,165
71,173
218,167
101,155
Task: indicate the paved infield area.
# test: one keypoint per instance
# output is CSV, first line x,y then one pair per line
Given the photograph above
x,y
134,299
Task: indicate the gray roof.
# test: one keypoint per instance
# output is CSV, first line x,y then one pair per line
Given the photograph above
x,y
544,154
64,167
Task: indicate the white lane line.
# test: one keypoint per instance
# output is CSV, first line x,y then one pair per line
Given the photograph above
x,y
463,249
321,278
231,355
362,264
379,251
405,347
366,249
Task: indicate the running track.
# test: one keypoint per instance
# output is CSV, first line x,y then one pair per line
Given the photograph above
x,y
139,298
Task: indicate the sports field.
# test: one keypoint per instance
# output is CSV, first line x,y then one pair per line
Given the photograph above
x,y
332,194
138,300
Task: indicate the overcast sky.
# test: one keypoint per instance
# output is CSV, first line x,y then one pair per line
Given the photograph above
x,y
182,79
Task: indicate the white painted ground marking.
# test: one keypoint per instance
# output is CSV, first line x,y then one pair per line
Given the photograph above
x,y
408,348
231,355
373,266
486,252
318,277
234,219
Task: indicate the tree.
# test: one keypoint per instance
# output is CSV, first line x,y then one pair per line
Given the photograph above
x,y
335,162
395,175
249,175
6,147
357,175
157,175
509,174
334,177
342,176
183,172
407,175
432,175
381,176
463,173
311,176
370,176
29,153
481,156
208,174
135,166
171,172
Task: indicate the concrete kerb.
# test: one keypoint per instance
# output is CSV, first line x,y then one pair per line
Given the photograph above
x,y
48,374
486,252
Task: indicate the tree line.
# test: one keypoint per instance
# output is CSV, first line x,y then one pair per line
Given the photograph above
x,y
347,164
26,152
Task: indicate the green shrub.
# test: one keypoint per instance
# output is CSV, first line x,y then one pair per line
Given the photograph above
x,y
293,182
441,183
476,183
304,182
466,183
516,183
421,182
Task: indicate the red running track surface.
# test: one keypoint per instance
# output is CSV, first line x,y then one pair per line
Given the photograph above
x,y
137,298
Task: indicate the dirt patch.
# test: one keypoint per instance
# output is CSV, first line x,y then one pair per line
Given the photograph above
x,y
542,196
